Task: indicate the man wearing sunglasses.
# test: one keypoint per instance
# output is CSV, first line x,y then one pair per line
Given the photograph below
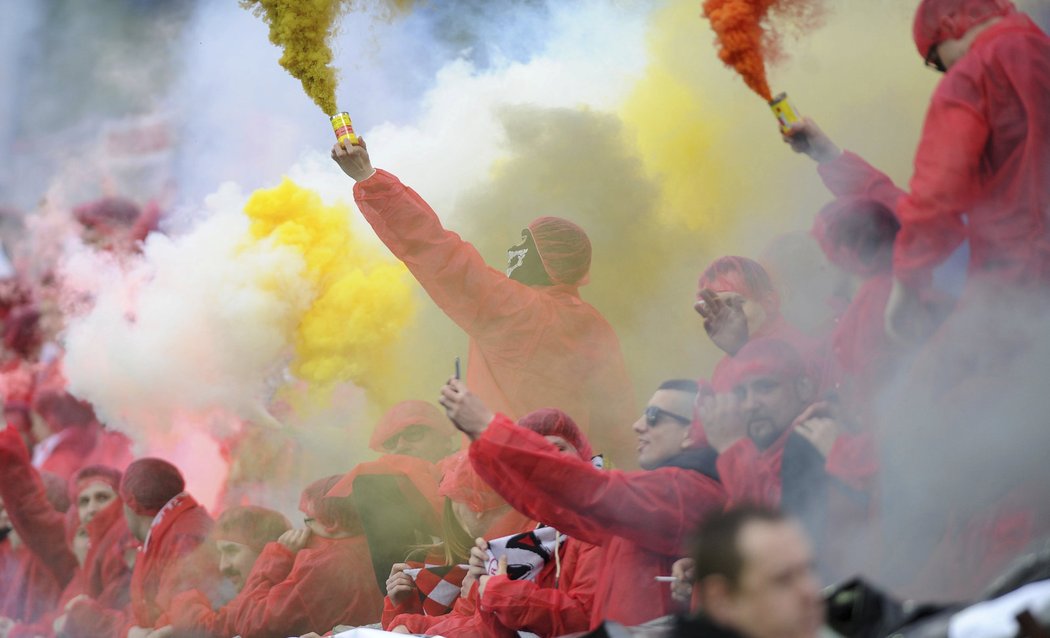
x,y
641,520
982,169
413,428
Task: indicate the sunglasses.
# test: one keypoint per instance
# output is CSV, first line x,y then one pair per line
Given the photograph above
x,y
933,60
653,414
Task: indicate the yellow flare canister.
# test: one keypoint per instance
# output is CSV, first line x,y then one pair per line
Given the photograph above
x,y
344,128
785,112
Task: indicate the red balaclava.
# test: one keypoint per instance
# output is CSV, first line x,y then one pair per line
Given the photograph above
x,y
553,422
857,234
93,474
760,357
743,276
563,248
329,511
149,484
462,485
403,415
251,526
940,20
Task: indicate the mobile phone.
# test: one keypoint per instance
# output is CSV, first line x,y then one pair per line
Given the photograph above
x,y
457,369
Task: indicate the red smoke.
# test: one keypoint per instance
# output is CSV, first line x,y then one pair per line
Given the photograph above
x,y
745,41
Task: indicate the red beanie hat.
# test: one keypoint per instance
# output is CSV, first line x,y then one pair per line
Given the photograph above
x,y
552,422
403,415
940,20
563,248
250,525
743,276
93,474
329,511
462,485
149,484
760,357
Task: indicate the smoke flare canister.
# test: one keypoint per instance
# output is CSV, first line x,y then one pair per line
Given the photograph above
x,y
344,128
785,112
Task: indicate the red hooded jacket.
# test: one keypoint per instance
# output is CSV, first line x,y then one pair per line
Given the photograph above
x,y
530,347
641,520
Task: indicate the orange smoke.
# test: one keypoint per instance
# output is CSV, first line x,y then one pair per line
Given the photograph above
x,y
738,25
746,41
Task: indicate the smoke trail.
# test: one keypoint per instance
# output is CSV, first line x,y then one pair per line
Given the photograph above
x,y
303,31
745,39
362,301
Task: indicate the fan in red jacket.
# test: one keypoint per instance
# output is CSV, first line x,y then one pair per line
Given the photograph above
x,y
738,303
241,534
983,163
640,520
38,562
311,579
172,528
533,341
103,572
779,448
448,604
555,602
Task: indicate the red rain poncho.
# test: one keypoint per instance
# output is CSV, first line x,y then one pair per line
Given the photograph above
x,y
44,563
641,520
985,155
327,583
553,604
749,279
172,560
530,347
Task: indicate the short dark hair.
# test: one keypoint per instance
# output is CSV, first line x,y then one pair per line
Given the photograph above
x,y
715,547
681,385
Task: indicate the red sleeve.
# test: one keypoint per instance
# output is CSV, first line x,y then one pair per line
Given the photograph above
x,y
392,611
849,175
318,590
450,269
191,613
41,527
191,566
656,509
749,477
454,622
943,186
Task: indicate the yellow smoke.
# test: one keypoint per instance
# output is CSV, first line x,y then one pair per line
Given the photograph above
x,y
303,29
363,299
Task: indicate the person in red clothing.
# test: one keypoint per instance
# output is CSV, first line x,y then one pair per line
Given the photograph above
x,y
92,531
172,528
554,601
309,580
76,439
640,520
471,510
412,428
738,302
241,535
777,446
983,162
533,341
39,561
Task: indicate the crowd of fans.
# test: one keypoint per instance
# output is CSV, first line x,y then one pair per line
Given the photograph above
x,y
775,474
